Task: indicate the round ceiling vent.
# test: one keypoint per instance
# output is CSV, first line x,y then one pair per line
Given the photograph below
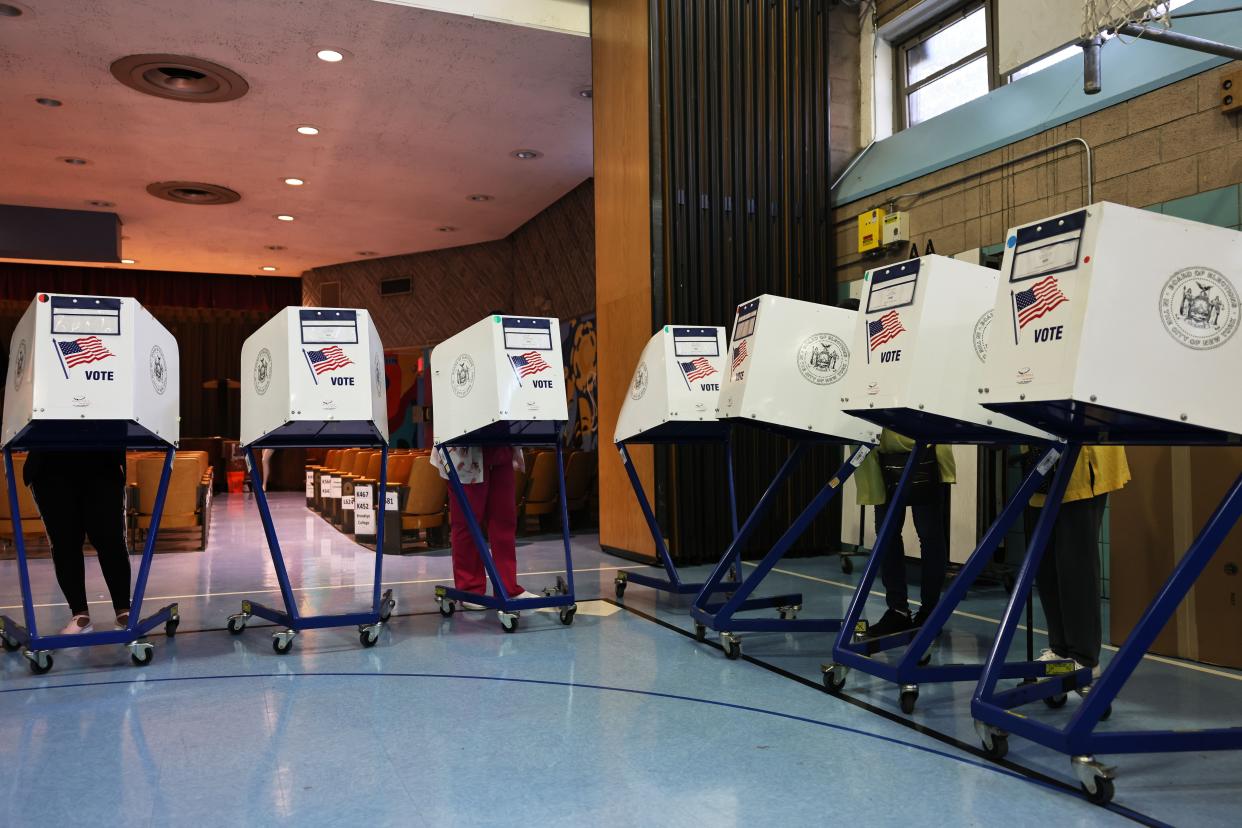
x,y
180,78
193,192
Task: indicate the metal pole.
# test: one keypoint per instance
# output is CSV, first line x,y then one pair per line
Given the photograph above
x,y
1091,79
1185,41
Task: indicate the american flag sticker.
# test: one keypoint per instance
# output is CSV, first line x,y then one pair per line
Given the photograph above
x,y
82,351
529,363
739,354
328,359
1038,300
697,369
883,330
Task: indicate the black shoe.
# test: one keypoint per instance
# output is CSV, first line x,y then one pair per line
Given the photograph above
x,y
893,622
920,618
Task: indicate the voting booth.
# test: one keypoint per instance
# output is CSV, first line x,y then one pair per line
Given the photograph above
x,y
89,373
502,382
921,340
788,361
1113,325
672,399
313,378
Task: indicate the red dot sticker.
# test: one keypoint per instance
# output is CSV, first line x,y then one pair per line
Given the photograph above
x,y
42,297
1086,259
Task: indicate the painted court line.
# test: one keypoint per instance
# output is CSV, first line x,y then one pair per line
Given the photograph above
x,y
1172,662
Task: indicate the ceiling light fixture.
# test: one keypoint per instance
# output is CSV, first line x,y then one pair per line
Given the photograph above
x,y
129,261
268,268
479,197
179,78
306,129
74,162
330,55
526,154
447,229
52,102
367,253
94,203
274,247
193,192
284,217
294,182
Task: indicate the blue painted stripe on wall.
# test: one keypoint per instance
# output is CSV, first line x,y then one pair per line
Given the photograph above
x,y
1036,103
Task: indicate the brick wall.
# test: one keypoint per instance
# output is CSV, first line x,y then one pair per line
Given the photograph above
x,y
843,46
1167,144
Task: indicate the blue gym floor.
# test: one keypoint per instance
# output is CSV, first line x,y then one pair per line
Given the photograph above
x,y
621,718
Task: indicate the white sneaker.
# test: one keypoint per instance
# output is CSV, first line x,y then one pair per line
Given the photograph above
x,y
78,624
526,593
1047,654
118,624
467,605
1095,674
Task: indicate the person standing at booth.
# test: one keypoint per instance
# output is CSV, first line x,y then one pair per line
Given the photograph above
x,y
486,475
1069,574
80,495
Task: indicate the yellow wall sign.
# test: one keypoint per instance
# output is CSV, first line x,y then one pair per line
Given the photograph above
x,y
870,229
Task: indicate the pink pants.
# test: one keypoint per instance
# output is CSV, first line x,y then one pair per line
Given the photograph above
x,y
495,508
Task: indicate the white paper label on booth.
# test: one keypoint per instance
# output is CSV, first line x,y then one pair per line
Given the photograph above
x,y
1050,247
347,502
390,501
329,327
310,484
362,497
364,522
694,342
71,316
893,287
527,334
335,487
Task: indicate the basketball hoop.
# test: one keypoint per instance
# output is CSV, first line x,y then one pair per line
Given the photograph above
x,y
1107,17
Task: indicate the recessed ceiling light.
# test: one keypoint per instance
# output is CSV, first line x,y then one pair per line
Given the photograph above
x,y
52,102
268,268
330,55
526,154
275,247
294,182
94,203
7,10
447,229
284,217
587,93
479,197
367,253
306,129
75,162
129,261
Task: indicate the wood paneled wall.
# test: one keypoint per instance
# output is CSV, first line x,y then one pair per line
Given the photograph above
x,y
545,267
621,83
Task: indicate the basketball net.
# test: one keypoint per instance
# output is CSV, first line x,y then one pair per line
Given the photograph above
x,y
1108,15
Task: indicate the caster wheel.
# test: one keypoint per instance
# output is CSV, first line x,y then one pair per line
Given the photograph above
x,y
619,587
567,615
142,656
171,625
732,647
282,644
788,613
9,644
508,622
847,566
387,606
1056,702
834,679
368,636
40,662
700,633
999,747
1103,793
908,700
236,625
447,608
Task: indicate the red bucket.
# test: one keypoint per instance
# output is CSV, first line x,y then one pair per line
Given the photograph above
x,y
236,479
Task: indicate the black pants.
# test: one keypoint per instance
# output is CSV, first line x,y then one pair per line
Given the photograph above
x,y
1069,581
88,506
934,553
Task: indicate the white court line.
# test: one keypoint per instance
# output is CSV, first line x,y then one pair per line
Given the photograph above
x,y
330,586
1173,662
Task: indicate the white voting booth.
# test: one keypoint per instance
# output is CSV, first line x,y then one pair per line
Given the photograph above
x,y
91,369
1113,324
502,382
313,377
676,386
90,373
788,360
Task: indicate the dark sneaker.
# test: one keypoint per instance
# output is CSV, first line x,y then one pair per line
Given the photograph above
x,y
920,618
894,621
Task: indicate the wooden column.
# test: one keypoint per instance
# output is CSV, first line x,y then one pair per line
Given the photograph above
x,y
619,69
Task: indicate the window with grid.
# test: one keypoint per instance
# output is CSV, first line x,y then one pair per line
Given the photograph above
x,y
944,66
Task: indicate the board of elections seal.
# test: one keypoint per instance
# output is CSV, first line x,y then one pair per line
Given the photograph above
x,y
463,375
638,389
157,367
262,371
379,376
823,358
1199,308
982,326
19,364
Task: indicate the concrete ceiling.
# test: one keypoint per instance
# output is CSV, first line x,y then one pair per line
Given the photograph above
x,y
424,111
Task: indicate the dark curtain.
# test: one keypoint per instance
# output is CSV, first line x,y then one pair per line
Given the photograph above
x,y
740,207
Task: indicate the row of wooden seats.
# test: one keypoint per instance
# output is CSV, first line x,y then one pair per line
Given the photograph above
x,y
187,506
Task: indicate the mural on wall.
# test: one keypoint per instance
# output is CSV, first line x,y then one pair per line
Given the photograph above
x,y
581,381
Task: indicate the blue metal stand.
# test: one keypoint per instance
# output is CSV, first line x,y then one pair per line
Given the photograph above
x,y
854,651
37,648
508,609
721,617
994,710
673,583
369,623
